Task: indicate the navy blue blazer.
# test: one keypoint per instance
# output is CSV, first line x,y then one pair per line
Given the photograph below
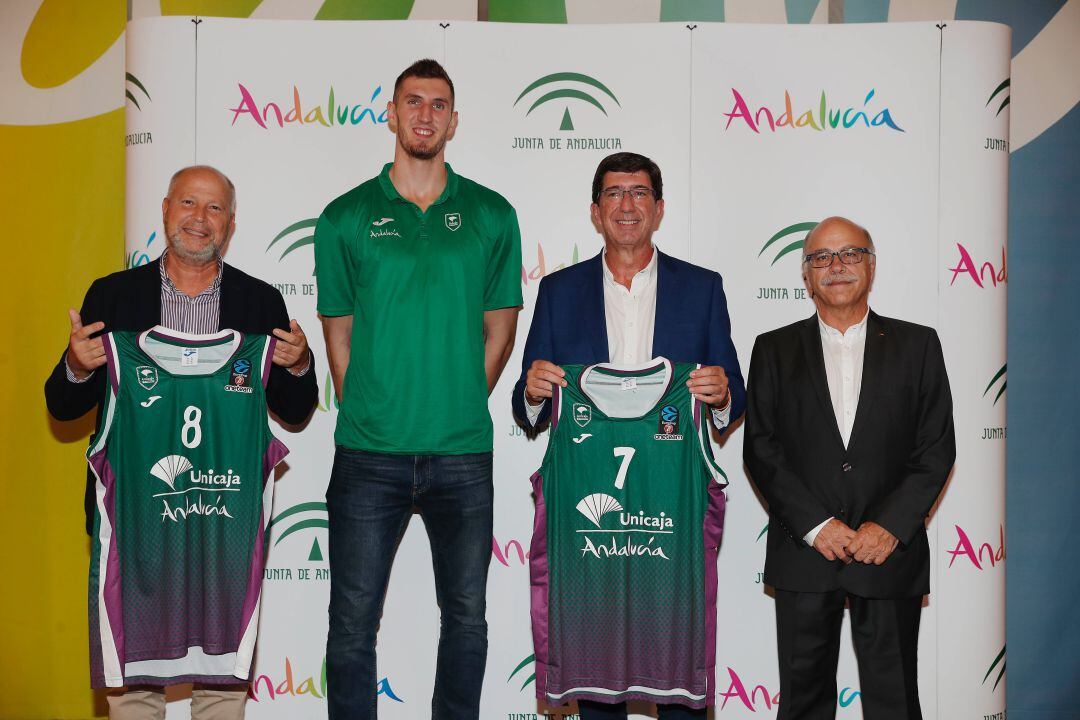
x,y
569,325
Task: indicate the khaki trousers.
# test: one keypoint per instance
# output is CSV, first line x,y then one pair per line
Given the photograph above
x,y
208,702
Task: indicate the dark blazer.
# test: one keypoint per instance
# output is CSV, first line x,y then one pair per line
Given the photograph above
x,y
569,325
130,300
898,458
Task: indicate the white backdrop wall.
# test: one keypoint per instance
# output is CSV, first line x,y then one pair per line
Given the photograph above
x,y
759,130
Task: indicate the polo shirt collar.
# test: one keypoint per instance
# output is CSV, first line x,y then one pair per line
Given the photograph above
x,y
392,194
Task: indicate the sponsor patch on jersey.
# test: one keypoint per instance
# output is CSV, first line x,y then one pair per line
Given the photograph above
x,y
241,371
582,414
147,376
453,220
669,424
240,376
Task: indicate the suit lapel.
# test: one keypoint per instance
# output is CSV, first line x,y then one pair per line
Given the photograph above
x,y
595,323
664,319
873,371
810,335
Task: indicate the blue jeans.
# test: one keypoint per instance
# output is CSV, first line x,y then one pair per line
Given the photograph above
x,y
370,501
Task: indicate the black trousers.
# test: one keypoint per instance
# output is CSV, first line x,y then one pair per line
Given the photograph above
x,y
885,633
591,710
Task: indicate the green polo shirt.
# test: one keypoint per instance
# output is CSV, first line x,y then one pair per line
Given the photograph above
x,y
417,285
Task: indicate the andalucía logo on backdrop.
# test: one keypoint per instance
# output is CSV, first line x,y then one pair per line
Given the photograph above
x,y
999,665
984,274
786,242
525,666
562,88
134,91
297,519
1001,93
995,389
133,82
826,116
300,235
983,557
300,111
140,257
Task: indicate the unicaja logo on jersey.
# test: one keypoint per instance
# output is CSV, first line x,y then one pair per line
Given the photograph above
x,y
582,414
452,220
171,467
597,505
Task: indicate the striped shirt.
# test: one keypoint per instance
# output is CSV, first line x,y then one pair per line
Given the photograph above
x,y
198,315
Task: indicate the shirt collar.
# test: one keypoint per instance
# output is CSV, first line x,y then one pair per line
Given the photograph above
x,y
167,282
645,273
854,331
391,192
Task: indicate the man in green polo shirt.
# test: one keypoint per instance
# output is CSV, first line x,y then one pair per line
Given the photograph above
x,y
419,276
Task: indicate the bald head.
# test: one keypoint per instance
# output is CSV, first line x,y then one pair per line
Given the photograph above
x,y
837,223
208,170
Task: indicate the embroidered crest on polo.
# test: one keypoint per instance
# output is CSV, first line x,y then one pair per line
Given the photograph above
x,y
453,220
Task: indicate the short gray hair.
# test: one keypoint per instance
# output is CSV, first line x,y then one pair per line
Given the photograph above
x,y
209,168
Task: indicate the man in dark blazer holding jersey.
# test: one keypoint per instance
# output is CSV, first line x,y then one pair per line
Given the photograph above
x,y
627,305
190,289
849,437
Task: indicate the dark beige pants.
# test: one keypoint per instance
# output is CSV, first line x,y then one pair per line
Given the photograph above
x,y
208,702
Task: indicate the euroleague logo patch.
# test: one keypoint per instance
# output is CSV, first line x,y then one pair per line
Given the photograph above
x,y
240,377
669,424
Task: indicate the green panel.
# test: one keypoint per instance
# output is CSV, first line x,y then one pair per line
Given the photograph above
x,y
703,10
527,11
211,8
365,10
801,11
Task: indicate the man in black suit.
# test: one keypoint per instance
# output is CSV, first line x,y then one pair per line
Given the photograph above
x,y
189,289
849,437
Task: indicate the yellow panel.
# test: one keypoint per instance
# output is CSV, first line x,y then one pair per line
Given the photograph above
x,y
62,190
66,37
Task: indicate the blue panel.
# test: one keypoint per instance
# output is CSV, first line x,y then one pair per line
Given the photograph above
x,y
866,11
1025,18
800,11
1043,494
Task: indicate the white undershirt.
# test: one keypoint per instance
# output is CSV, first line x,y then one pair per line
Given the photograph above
x,y
630,315
843,353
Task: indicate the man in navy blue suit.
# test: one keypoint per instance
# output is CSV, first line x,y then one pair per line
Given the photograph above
x,y
627,305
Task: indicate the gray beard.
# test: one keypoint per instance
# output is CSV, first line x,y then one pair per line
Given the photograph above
x,y
208,253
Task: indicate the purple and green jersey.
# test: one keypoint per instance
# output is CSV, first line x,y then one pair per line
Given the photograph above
x,y
629,514
183,460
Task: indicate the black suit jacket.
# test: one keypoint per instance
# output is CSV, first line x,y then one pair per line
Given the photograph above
x,y
896,463
130,300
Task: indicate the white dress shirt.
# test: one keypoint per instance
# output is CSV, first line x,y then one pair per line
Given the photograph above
x,y
630,315
843,353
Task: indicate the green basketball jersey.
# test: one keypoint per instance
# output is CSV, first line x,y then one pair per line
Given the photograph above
x,y
629,513
183,461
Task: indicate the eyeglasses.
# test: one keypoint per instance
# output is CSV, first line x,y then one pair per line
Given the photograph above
x,y
637,194
848,256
